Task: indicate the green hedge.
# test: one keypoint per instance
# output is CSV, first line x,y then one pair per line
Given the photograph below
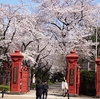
x,y
87,82
50,83
33,86
6,88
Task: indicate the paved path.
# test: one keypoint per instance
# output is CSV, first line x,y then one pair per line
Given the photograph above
x,y
54,92
31,95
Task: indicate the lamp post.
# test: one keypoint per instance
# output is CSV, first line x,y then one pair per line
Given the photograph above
x,y
96,43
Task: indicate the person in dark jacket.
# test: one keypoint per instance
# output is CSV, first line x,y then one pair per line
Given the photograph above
x,y
45,90
39,90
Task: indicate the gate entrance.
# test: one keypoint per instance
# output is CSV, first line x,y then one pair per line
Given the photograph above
x,y
19,74
24,79
98,77
73,73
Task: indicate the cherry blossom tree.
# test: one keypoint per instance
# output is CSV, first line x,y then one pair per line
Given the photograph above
x,y
69,22
46,35
18,31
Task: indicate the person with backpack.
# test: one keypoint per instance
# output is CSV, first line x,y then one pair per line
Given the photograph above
x,y
45,90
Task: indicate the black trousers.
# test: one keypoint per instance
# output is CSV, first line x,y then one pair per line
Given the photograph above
x,y
45,95
38,97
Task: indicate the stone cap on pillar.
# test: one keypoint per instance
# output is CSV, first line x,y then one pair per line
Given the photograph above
x,y
72,55
16,54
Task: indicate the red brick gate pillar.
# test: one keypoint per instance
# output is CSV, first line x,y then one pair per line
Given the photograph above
x,y
71,73
15,71
98,77
78,80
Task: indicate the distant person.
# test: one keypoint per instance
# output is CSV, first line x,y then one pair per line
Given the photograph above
x,y
45,90
64,87
39,90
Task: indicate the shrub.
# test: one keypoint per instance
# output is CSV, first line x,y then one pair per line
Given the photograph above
x,y
50,83
33,85
6,88
87,81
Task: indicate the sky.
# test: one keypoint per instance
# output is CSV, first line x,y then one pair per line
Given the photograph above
x,y
96,1
14,2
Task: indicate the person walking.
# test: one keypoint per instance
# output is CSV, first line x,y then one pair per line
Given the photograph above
x,y
39,90
64,87
45,90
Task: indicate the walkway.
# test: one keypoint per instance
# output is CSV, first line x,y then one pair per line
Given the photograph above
x,y
54,92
